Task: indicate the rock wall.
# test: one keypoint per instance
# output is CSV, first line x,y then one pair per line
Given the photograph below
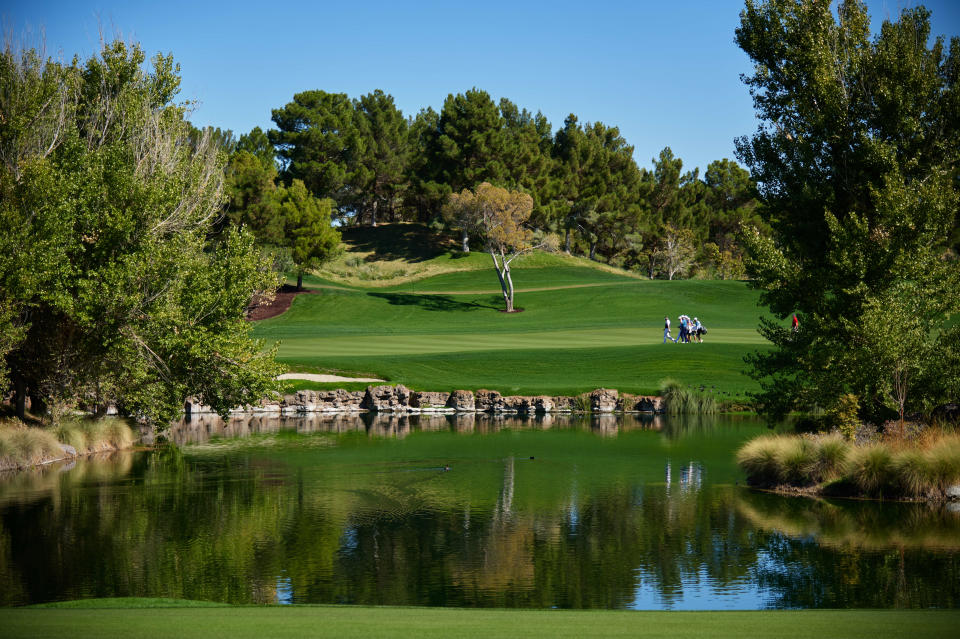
x,y
400,399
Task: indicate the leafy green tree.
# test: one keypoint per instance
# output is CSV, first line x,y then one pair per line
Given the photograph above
x,y
309,235
116,294
258,143
252,199
856,158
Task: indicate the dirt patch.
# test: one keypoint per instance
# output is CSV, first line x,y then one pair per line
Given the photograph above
x,y
266,306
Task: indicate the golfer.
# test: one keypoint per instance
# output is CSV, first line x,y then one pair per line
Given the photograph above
x,y
666,331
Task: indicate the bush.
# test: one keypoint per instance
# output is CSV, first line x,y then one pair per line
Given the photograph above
x,y
873,469
832,453
843,415
760,459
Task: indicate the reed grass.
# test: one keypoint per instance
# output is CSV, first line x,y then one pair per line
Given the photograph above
x,y
924,469
678,399
22,445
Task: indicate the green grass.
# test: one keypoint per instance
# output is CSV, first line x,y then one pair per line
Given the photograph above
x,y
604,331
130,622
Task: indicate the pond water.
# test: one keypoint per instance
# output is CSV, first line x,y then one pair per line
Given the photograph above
x,y
615,512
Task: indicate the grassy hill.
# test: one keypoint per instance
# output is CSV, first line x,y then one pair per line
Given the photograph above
x,y
583,326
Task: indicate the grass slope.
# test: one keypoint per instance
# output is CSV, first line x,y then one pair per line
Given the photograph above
x,y
344,621
583,326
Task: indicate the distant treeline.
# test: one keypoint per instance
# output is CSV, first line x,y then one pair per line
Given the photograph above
x,y
374,165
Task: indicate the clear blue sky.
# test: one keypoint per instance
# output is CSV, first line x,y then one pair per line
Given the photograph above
x,y
666,73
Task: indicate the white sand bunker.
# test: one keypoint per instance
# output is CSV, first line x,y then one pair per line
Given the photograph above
x,y
315,377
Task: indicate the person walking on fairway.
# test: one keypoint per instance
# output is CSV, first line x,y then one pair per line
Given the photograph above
x,y
666,331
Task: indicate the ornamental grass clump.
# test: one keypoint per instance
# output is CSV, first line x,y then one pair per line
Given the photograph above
x,y
831,457
943,464
22,446
873,470
96,435
760,459
797,461
678,399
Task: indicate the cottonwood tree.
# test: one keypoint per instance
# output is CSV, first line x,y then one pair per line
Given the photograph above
x,y
116,294
502,215
856,157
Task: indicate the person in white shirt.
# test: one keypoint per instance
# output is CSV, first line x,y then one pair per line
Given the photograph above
x,y
666,331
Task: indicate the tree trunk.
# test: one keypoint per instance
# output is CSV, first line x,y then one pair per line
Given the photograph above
x,y
567,241
593,250
299,280
507,294
506,268
20,397
465,241
373,214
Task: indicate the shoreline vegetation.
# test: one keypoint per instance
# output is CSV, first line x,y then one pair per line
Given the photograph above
x,y
923,468
23,446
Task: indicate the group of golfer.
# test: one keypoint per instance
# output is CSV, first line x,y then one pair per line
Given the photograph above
x,y
691,330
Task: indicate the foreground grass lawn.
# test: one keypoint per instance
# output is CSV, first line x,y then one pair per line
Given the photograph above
x,y
129,621
589,328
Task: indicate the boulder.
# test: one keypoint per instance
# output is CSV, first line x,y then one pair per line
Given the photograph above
x,y
647,404
461,401
430,401
953,492
604,400
543,404
387,398
564,404
487,401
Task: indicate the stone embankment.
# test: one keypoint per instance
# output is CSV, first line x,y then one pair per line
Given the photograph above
x,y
400,399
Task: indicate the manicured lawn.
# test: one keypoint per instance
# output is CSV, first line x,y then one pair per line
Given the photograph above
x,y
590,328
344,621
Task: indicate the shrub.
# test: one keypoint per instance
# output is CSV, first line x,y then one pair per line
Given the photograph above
x,y
943,463
872,469
843,415
832,453
679,400
797,459
760,459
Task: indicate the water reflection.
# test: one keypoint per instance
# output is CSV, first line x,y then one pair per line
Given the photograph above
x,y
612,513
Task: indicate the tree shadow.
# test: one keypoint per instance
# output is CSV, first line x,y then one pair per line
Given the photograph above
x,y
408,242
432,302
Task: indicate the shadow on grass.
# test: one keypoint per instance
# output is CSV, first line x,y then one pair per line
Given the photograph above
x,y
408,242
432,302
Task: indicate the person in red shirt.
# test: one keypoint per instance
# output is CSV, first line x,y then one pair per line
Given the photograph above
x,y
796,323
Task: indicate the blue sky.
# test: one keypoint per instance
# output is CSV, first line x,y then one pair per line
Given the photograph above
x,y
666,73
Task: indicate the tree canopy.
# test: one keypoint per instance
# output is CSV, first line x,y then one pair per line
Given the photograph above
x,y
856,160
111,289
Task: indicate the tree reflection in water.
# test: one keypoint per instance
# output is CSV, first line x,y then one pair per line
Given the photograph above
x,y
611,513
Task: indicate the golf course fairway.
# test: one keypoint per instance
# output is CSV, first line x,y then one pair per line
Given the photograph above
x,y
581,328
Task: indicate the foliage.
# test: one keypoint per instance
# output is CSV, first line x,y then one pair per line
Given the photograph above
x,y
307,231
921,469
117,294
502,217
843,415
856,159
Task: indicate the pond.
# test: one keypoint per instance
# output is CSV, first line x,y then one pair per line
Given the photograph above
x,y
476,511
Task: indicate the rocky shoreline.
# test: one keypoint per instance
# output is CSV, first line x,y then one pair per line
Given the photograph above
x,y
400,399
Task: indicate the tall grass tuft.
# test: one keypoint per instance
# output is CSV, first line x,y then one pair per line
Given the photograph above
x,y
943,463
678,399
873,469
797,461
22,446
96,435
760,459
832,454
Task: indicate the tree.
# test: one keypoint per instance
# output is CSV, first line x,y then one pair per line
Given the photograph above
x,y
379,179
309,236
116,294
502,215
316,140
856,161
677,251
